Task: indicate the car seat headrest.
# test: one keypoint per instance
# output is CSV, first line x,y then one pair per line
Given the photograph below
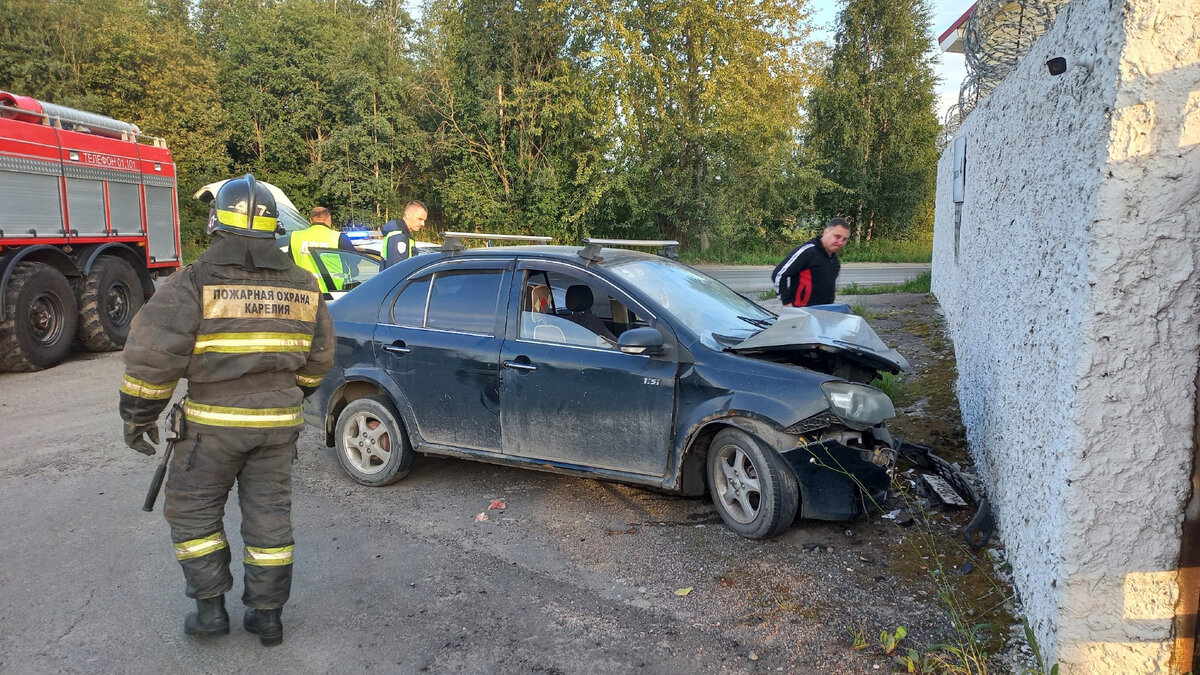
x,y
579,298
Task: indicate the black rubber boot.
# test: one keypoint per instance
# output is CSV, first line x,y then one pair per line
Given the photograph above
x,y
267,624
209,620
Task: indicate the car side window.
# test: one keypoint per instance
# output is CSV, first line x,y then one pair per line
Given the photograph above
x,y
465,301
562,308
342,269
409,309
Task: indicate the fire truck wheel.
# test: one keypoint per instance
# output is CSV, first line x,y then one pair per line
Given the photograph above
x,y
108,299
44,318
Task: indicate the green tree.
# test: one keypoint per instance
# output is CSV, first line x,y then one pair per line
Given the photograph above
x,y
319,99
872,121
708,96
134,60
276,67
517,117
379,153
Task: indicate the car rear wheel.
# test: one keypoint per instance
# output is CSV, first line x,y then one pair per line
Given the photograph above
x,y
371,444
752,487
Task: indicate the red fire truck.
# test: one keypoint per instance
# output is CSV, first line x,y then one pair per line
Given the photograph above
x,y
88,220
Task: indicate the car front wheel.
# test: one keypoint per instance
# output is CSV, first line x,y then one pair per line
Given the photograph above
x,y
753,488
371,444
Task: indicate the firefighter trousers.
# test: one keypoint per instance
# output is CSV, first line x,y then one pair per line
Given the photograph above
x,y
204,467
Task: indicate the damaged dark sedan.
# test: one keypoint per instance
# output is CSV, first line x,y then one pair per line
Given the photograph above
x,y
614,364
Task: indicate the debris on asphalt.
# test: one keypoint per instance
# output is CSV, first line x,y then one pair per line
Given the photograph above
x,y
481,517
683,591
942,489
497,504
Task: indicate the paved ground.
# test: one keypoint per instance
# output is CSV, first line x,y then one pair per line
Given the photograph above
x,y
402,578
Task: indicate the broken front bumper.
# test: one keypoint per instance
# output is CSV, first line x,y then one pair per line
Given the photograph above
x,y
839,482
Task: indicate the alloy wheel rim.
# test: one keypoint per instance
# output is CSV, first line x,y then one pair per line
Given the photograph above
x,y
738,485
366,443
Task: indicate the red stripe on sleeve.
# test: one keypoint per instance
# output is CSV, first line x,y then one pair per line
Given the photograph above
x,y
803,289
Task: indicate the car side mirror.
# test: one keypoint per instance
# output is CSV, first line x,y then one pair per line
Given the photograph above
x,y
647,341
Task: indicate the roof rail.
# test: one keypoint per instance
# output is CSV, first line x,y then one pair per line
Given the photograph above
x,y
452,241
667,248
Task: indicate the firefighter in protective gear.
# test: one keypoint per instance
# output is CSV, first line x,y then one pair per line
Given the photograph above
x,y
252,335
319,234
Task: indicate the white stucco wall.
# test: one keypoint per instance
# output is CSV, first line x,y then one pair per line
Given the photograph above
x,y
1072,303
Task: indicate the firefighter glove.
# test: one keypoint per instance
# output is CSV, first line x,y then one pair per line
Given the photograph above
x,y
135,437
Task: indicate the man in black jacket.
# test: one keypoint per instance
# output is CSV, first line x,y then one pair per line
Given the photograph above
x,y
398,242
807,275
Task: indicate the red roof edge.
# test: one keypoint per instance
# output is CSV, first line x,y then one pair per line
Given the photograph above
x,y
957,24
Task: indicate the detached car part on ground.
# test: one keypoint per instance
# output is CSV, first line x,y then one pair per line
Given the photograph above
x,y
610,364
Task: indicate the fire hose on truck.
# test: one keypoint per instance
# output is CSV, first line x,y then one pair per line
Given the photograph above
x,y
89,220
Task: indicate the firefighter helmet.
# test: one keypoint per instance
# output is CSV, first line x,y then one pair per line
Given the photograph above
x,y
246,207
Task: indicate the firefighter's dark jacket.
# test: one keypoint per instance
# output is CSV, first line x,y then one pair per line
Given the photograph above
x,y
244,325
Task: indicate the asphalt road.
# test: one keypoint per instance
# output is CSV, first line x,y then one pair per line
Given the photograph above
x,y
402,579
751,279
89,583
573,576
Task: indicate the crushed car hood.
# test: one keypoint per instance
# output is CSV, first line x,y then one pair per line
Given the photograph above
x,y
819,331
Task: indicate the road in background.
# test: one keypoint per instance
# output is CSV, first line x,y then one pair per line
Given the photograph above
x,y
753,279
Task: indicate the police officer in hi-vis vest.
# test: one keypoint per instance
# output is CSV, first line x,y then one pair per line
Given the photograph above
x,y
251,333
318,234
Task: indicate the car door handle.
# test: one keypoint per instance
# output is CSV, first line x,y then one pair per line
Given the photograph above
x,y
519,366
397,348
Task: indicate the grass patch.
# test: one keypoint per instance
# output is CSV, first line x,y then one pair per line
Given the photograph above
x,y
879,250
918,284
887,251
861,309
768,294
978,606
939,425
893,385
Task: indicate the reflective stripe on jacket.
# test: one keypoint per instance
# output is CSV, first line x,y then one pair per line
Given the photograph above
x,y
244,337
397,246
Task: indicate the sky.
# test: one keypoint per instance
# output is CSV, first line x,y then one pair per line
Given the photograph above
x,y
949,67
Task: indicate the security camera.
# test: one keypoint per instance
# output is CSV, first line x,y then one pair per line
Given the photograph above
x,y
1057,65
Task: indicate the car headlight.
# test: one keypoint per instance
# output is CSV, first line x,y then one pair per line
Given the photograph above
x,y
858,405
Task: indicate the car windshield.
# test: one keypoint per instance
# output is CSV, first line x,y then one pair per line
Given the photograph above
x,y
699,302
